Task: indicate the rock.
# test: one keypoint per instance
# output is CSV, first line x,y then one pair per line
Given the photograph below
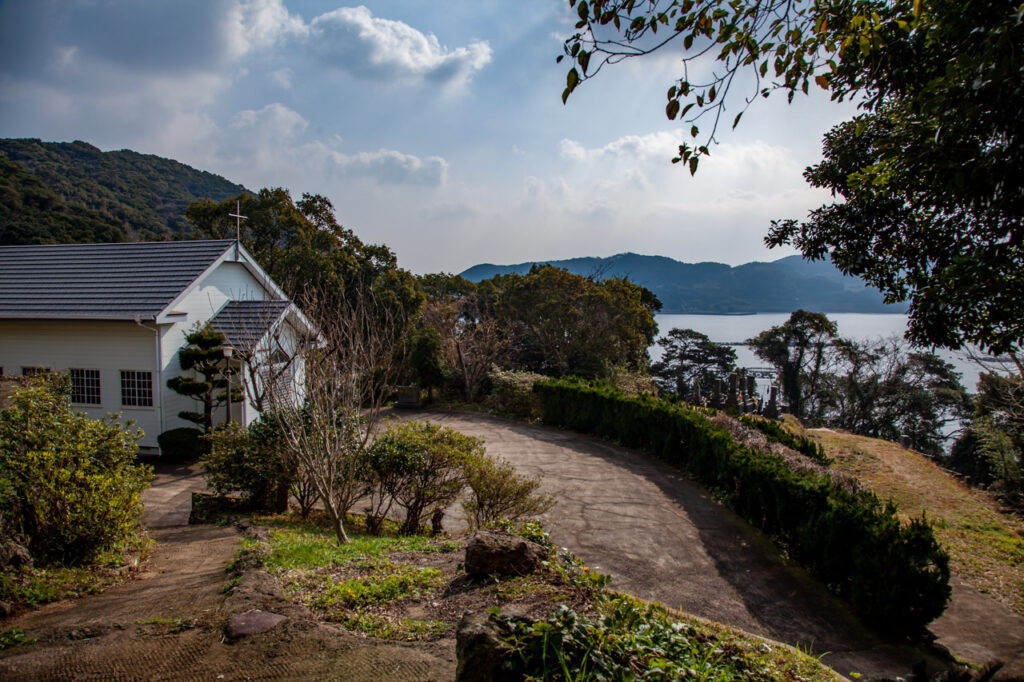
x,y
14,554
498,553
480,650
252,623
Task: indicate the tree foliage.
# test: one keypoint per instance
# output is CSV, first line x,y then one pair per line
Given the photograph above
x,y
32,213
881,390
929,212
558,323
303,248
548,321
203,355
797,349
135,196
690,356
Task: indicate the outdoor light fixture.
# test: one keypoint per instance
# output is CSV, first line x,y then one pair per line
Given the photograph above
x,y
228,352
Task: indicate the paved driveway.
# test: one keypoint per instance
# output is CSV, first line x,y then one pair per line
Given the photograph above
x,y
168,500
663,537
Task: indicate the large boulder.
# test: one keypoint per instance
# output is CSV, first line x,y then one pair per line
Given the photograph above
x,y
499,553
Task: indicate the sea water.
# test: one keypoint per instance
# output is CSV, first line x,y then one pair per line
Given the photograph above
x,y
736,329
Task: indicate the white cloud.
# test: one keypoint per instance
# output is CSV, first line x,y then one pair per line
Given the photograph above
x,y
273,122
261,24
658,145
389,166
353,40
282,78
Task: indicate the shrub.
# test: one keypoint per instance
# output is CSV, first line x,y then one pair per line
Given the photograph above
x,y
896,576
249,461
498,493
424,464
72,487
512,393
182,445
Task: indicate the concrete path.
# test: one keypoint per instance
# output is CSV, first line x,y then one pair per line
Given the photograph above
x,y
664,538
168,501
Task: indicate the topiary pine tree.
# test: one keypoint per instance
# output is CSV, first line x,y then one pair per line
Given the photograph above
x,y
204,355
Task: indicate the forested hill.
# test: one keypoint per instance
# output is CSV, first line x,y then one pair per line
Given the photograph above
x,y
137,196
781,286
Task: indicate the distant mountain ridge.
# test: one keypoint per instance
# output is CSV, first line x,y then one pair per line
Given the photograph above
x,y
142,196
779,286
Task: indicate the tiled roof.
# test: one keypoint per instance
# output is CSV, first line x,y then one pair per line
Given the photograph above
x,y
100,281
244,323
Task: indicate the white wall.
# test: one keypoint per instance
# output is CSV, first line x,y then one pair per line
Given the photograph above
x,y
105,346
229,281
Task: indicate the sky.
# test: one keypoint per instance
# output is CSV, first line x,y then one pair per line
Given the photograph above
x,y
436,128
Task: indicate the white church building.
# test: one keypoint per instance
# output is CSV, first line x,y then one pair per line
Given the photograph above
x,y
114,316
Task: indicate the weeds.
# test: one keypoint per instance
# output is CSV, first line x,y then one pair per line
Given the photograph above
x,y
13,637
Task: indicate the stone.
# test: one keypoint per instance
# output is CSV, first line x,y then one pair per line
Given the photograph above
x,y
499,553
14,554
252,623
480,650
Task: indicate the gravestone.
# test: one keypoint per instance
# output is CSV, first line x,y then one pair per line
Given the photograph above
x,y
772,410
408,397
732,399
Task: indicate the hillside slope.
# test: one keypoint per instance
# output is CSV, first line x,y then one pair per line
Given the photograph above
x,y
143,195
985,544
715,288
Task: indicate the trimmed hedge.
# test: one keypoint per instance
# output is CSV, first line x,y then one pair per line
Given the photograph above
x,y
776,432
895,576
183,445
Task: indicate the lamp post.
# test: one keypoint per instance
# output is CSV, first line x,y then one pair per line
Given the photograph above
x,y
228,352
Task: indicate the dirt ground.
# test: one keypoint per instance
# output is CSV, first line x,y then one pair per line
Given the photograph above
x,y
168,625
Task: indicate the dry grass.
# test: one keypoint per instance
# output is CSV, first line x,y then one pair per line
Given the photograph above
x,y
985,545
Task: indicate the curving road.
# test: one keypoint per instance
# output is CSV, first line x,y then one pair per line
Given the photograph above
x,y
663,537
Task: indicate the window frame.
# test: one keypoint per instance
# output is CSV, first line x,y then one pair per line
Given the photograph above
x,y
134,376
85,393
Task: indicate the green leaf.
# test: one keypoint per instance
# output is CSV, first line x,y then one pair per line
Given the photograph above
x,y
736,121
694,131
572,79
693,165
672,110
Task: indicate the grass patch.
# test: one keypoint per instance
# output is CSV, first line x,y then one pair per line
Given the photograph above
x,y
380,582
168,625
985,545
13,637
522,587
354,584
27,587
297,545
401,629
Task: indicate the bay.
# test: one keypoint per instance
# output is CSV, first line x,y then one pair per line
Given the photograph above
x,y
735,329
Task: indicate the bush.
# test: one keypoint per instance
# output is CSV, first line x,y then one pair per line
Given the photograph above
x,y
498,493
71,486
421,465
249,461
894,575
181,446
512,393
